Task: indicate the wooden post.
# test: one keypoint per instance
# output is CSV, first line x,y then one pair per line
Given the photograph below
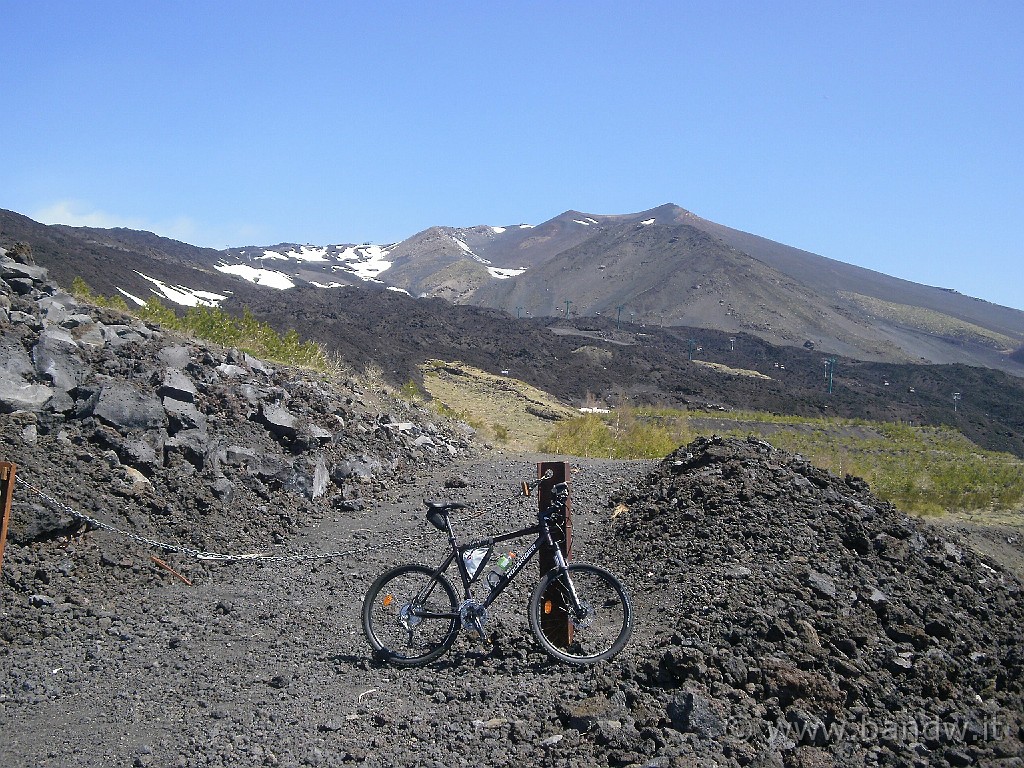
x,y
7,471
555,624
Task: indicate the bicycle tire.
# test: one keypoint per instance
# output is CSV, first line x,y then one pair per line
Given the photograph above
x,y
395,633
599,633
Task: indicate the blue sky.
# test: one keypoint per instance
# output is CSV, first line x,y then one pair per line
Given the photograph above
x,y
889,135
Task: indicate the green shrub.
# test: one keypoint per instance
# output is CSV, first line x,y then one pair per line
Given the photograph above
x,y
215,325
80,289
412,392
629,433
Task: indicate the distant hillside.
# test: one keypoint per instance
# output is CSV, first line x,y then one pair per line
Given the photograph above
x,y
121,261
660,267
591,359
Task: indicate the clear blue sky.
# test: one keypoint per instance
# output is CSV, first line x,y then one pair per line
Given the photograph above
x,y
888,134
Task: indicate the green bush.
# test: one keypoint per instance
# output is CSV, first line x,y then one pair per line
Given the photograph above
x,y
412,392
627,434
215,325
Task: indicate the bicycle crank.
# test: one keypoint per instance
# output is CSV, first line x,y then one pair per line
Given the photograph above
x,y
473,616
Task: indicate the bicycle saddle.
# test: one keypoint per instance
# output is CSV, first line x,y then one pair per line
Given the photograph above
x,y
437,511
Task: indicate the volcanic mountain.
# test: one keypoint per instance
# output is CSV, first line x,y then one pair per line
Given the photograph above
x,y
664,266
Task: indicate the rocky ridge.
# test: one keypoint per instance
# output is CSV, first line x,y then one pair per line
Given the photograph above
x,y
157,430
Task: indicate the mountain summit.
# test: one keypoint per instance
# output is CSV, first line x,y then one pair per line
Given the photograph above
x,y
663,266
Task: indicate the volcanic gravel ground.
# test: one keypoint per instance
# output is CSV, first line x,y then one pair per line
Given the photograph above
x,y
265,663
757,630
808,621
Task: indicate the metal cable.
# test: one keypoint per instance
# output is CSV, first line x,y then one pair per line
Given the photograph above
x,y
196,553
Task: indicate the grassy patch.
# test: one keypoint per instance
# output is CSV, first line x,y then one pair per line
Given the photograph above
x,y
930,321
627,433
926,470
500,408
731,371
215,325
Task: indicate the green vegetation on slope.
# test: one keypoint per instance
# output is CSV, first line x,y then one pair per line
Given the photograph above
x,y
926,470
625,434
501,408
930,321
215,325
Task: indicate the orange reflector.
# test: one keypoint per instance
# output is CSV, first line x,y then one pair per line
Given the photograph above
x,y
547,606
387,600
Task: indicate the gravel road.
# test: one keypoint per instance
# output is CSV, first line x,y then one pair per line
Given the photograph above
x,y
265,664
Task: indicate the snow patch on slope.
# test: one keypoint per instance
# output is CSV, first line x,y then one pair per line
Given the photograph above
x,y
365,261
181,295
131,297
264,277
469,251
504,274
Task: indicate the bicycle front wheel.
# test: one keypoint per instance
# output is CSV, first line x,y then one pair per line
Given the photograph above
x,y
410,615
595,630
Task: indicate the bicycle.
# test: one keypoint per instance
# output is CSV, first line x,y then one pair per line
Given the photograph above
x,y
579,613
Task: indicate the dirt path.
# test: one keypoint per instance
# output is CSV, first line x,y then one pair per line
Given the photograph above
x,y
998,535
264,663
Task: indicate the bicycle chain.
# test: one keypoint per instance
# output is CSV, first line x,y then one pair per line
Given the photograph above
x,y
196,553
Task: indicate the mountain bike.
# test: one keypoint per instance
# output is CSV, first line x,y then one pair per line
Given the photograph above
x,y
579,613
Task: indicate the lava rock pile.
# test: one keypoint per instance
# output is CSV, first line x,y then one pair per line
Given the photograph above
x,y
180,441
799,619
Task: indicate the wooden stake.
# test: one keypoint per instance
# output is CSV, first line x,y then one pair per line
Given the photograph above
x,y
7,472
555,624
165,566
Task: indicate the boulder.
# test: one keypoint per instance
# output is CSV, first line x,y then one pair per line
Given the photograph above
x,y
175,384
13,270
176,356
189,444
14,358
279,420
183,415
127,408
16,394
55,357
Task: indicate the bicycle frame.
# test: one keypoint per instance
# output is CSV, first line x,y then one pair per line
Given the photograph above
x,y
544,539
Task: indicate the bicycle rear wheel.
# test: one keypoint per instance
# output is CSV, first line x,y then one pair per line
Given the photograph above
x,y
598,630
410,615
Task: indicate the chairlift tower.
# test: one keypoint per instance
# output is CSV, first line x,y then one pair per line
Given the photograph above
x,y
830,367
957,397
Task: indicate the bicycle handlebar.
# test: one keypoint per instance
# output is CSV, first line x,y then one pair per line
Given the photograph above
x,y
530,486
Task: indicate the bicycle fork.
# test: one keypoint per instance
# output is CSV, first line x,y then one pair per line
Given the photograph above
x,y
563,570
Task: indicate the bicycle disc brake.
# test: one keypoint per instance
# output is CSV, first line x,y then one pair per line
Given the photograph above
x,y
584,617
